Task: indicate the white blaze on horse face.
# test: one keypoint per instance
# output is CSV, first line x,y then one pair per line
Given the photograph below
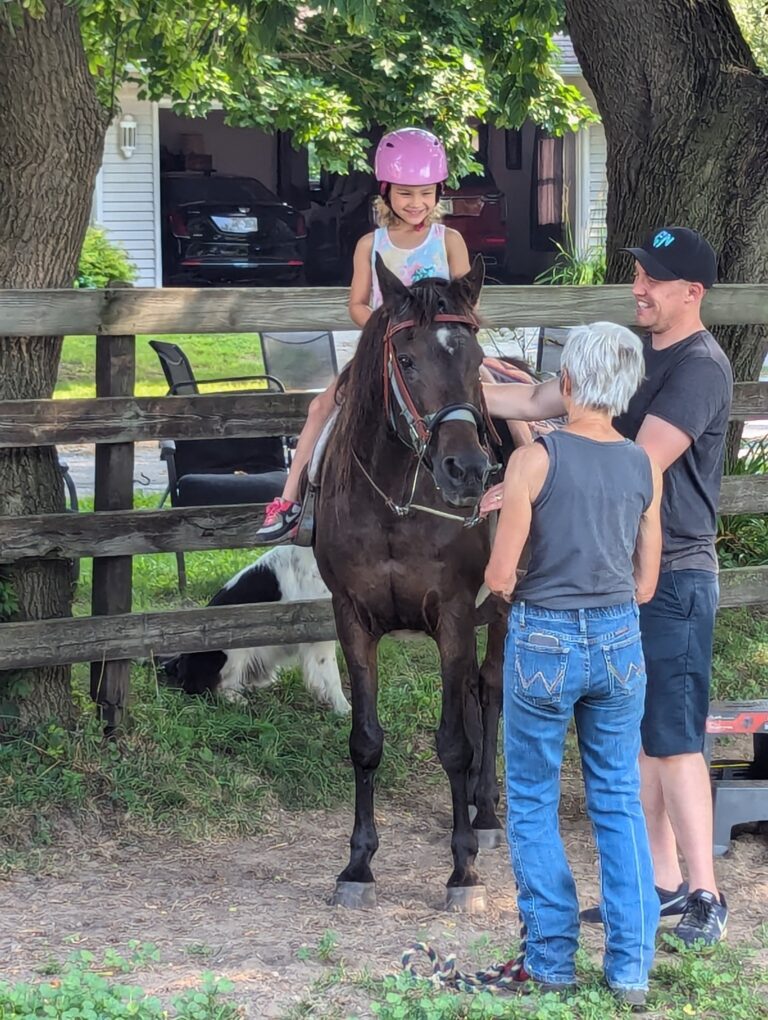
x,y
447,340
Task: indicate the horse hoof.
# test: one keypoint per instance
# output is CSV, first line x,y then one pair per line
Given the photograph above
x,y
354,895
489,839
466,899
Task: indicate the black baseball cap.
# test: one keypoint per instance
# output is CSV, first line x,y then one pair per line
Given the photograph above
x,y
677,253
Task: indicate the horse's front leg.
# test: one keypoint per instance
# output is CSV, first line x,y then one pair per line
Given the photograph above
x,y
486,794
355,885
458,741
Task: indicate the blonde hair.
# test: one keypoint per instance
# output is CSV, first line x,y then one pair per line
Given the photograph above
x,y
386,218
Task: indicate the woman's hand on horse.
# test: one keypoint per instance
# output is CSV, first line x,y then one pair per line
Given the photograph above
x,y
492,500
503,587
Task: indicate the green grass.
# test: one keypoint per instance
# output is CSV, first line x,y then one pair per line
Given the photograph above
x,y
196,769
85,988
724,985
727,984
212,356
740,666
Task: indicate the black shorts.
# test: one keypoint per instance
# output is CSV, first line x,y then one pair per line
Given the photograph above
x,y
677,628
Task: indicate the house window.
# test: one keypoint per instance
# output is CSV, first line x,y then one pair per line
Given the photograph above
x,y
546,192
513,148
314,171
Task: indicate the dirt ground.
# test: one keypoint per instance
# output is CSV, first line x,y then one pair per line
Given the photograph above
x,y
245,909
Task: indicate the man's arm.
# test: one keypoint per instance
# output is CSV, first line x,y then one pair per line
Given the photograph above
x,y
691,397
524,403
663,442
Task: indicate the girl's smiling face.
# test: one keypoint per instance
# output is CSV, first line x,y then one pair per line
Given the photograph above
x,y
413,203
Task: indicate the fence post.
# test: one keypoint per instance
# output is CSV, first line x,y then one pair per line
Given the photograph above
x,y
111,590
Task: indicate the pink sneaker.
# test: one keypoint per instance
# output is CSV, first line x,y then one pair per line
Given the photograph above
x,y
280,521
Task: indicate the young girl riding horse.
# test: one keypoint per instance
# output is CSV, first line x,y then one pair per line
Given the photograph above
x,y
411,168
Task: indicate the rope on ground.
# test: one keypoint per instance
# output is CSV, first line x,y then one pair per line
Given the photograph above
x,y
500,977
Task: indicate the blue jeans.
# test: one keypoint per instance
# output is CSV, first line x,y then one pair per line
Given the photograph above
x,y
587,664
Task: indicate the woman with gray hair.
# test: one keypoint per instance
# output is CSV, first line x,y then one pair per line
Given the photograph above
x,y
587,502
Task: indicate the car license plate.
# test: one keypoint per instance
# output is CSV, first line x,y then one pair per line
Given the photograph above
x,y
446,205
237,224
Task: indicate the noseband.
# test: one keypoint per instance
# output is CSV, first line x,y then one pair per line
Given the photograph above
x,y
422,427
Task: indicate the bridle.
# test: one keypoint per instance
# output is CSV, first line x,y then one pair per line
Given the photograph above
x,y
421,428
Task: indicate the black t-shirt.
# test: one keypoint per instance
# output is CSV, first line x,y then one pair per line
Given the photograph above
x,y
689,385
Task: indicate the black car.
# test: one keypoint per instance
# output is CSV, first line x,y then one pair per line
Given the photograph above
x,y
220,229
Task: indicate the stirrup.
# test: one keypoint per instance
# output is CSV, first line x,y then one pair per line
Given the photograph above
x,y
305,529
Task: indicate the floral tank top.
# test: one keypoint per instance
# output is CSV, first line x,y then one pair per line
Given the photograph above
x,y
430,259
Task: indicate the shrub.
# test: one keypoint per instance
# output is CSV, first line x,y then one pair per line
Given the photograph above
x,y
742,539
101,260
574,268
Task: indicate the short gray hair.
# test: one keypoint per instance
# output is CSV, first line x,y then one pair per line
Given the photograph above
x,y
605,364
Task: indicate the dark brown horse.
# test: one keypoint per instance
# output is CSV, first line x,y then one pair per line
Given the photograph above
x,y
400,548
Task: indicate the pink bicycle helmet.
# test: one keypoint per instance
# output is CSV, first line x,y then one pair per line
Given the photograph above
x,y
410,156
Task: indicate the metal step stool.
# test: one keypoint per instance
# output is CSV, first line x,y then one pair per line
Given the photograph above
x,y
739,788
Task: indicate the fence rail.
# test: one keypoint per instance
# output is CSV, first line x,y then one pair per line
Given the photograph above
x,y
253,310
145,635
194,529
136,419
116,419
99,639
209,416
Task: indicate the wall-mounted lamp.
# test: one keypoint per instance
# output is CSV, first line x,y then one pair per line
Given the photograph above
x,y
127,135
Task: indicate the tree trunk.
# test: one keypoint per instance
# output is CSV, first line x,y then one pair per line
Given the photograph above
x,y
52,129
685,110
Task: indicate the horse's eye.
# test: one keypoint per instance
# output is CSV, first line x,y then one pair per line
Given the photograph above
x,y
404,361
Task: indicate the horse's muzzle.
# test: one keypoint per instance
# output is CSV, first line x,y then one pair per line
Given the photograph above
x,y
461,477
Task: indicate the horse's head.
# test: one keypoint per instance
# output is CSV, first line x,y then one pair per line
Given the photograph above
x,y
434,382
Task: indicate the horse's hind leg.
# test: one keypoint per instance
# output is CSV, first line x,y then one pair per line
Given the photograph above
x,y
458,737
486,793
355,885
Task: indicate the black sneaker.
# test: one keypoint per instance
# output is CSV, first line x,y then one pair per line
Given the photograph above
x,y
704,921
635,998
281,520
529,985
672,905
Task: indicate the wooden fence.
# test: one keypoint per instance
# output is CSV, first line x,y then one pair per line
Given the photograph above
x,y
115,419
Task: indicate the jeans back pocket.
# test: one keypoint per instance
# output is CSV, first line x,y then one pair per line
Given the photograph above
x,y
625,664
540,671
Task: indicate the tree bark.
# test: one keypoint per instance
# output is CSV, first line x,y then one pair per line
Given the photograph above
x,y
685,111
52,128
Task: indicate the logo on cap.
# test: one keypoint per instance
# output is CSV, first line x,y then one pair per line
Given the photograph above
x,y
663,239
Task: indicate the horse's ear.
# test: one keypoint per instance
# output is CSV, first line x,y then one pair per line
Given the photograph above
x,y
472,282
393,291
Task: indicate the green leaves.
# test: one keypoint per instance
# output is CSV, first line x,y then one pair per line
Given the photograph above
x,y
330,71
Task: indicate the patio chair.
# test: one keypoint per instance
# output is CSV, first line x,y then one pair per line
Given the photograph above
x,y
550,348
74,505
218,472
301,361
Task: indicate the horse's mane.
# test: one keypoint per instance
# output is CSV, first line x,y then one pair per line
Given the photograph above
x,y
360,391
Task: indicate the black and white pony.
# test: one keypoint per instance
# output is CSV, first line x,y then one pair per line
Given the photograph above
x,y
285,573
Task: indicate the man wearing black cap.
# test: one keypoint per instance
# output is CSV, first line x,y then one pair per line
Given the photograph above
x,y
679,415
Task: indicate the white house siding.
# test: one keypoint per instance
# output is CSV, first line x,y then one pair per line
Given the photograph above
x,y
598,187
127,201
